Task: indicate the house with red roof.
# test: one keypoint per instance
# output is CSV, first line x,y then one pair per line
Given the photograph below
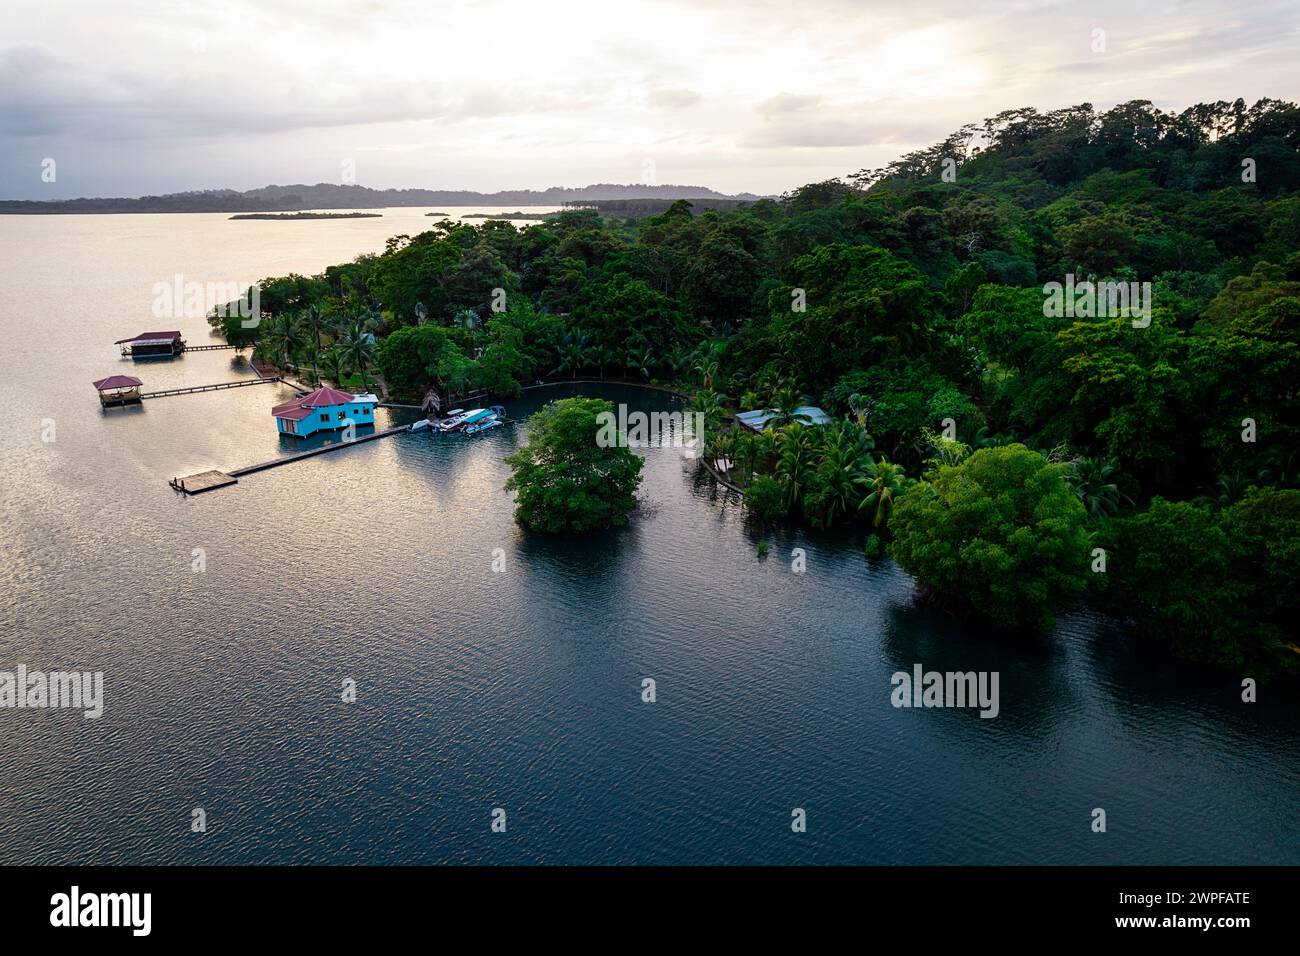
x,y
326,409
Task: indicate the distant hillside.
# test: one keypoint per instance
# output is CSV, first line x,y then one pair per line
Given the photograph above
x,y
334,196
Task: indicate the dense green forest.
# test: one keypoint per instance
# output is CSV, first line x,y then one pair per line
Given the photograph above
x,y
1012,458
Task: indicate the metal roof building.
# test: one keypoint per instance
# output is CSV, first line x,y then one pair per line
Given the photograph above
x,y
804,414
151,344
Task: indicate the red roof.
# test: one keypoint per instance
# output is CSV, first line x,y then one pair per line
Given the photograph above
x,y
296,414
149,335
327,396
117,381
323,397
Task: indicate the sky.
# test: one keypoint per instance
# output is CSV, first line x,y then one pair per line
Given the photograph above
x,y
139,97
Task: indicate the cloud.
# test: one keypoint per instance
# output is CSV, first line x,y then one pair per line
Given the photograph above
x,y
761,95
673,99
788,103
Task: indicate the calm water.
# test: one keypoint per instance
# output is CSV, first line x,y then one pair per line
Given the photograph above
x,y
518,689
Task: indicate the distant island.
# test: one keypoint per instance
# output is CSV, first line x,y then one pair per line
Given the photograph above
x,y
308,215
437,214
334,196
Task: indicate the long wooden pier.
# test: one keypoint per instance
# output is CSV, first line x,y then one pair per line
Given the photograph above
x,y
191,389
313,452
211,348
210,480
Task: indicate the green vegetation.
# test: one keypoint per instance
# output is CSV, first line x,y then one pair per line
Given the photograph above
x,y
1168,568
1001,533
910,302
563,480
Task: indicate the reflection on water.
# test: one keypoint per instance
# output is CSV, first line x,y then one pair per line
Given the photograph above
x,y
519,689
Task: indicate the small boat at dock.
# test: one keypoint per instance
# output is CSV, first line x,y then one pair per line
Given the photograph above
x,y
455,418
471,422
490,420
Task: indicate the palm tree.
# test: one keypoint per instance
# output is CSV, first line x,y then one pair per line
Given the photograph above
x,y
641,362
850,435
469,320
335,364
1094,486
708,368
312,320
602,356
265,349
795,464
359,347
722,446
764,447
286,333
574,353
313,353
785,401
746,453
884,482
840,475
676,361
711,407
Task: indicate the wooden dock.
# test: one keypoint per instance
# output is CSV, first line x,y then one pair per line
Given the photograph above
x,y
203,481
192,389
313,452
211,348
210,480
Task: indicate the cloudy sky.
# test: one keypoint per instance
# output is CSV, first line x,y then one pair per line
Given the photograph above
x,y
148,96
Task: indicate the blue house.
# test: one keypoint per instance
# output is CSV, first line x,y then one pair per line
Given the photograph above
x,y
326,409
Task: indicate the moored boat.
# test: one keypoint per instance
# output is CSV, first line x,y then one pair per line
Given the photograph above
x,y
455,418
472,420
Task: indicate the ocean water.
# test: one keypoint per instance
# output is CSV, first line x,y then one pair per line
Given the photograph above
x,y
519,689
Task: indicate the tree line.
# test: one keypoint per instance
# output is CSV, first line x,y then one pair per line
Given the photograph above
x,y
1011,459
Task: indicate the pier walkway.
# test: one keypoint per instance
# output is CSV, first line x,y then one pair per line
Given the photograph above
x,y
191,389
208,480
313,452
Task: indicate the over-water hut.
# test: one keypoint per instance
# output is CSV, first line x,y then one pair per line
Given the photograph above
x,y
118,389
153,345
